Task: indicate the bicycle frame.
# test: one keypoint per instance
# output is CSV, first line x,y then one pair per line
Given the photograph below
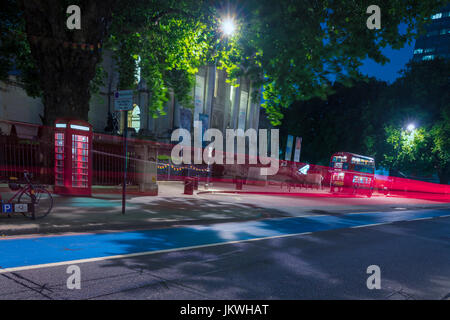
x,y
29,187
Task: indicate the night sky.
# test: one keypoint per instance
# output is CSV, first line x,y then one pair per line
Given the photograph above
x,y
398,60
389,72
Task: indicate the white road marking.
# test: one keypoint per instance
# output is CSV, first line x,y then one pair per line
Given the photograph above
x,y
47,265
137,254
371,225
417,219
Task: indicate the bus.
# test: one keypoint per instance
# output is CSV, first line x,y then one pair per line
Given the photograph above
x,y
352,173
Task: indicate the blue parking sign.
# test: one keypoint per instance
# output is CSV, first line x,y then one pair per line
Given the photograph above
x,y
7,207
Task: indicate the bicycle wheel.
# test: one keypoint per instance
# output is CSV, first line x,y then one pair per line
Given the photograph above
x,y
43,203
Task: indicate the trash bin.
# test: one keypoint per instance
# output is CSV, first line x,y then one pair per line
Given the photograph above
x,y
196,178
189,186
238,183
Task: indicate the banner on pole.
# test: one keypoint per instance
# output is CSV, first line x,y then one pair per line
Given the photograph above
x,y
185,119
289,144
199,96
204,118
298,148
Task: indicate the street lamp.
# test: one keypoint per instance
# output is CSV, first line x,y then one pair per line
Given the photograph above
x,y
411,127
228,26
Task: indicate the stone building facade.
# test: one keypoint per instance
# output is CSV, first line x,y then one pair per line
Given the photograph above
x,y
217,103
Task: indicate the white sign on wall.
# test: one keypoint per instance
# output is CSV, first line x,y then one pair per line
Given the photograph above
x,y
123,100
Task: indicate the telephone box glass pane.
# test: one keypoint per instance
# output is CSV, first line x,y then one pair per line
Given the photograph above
x,y
80,153
59,159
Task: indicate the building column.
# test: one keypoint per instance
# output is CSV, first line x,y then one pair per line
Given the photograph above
x,y
235,106
211,80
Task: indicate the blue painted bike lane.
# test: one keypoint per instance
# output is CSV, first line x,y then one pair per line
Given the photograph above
x,y
56,249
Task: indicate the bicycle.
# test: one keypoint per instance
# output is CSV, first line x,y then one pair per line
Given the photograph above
x,y
37,196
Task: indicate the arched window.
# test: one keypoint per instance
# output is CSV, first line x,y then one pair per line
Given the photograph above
x,y
134,118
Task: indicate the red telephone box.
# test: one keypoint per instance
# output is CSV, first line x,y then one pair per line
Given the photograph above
x,y
73,157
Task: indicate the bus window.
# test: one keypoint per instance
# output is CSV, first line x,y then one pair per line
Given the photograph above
x,y
338,161
352,173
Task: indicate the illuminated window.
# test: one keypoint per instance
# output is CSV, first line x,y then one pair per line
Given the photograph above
x,y
436,16
418,51
134,118
429,57
340,159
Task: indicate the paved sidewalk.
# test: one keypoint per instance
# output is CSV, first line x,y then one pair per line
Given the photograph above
x,y
282,189
219,203
259,188
103,211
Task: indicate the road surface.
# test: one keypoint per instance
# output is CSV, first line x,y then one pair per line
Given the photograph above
x,y
311,257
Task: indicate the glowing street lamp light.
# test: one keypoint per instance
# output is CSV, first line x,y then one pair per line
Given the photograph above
x,y
228,26
411,127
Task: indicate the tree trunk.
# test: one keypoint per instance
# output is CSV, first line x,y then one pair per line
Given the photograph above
x,y
66,67
444,175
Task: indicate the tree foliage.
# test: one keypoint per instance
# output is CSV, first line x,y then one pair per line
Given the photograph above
x,y
371,118
291,47
167,40
346,121
298,46
421,96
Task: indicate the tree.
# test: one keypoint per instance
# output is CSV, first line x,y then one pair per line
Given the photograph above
x,y
169,38
441,147
290,46
421,97
297,45
372,117
348,120
409,150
